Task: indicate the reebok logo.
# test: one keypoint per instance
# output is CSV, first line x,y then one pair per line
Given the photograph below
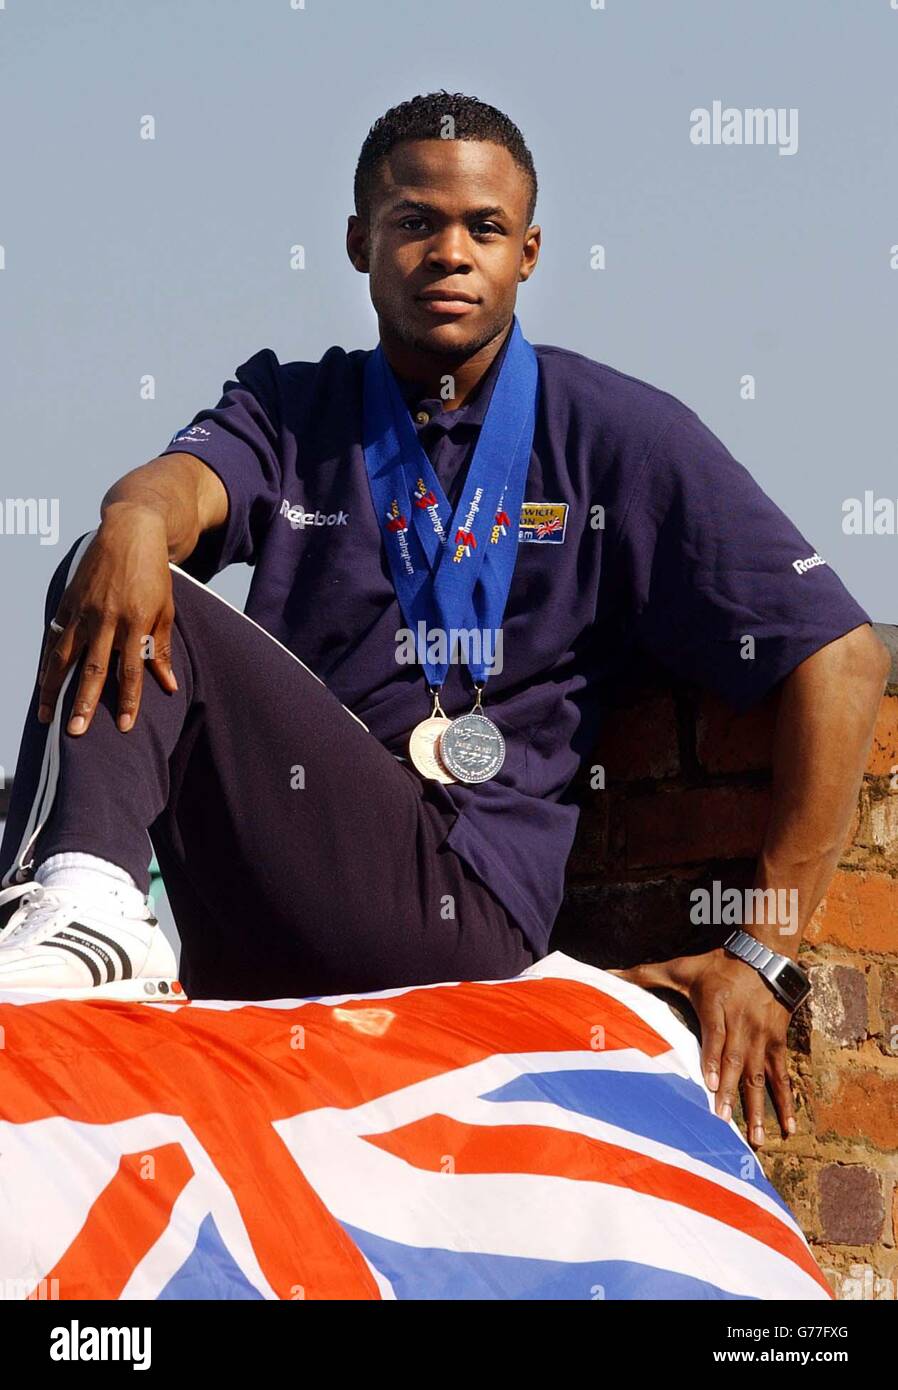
x,y
800,566
299,519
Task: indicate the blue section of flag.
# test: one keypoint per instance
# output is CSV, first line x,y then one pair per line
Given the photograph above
x,y
209,1271
669,1109
427,1273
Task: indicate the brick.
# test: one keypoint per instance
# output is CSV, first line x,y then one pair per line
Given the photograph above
x,y
863,1105
888,634
590,851
793,1180
850,1204
688,827
888,1009
884,748
838,1003
730,742
640,741
623,924
878,825
798,1035
862,1284
859,911
853,829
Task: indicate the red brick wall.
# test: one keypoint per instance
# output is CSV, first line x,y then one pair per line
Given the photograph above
x,y
685,801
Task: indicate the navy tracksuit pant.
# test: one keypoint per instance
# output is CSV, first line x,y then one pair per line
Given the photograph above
x,y
299,856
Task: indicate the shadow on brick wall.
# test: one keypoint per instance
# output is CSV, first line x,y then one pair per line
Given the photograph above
x,y
676,796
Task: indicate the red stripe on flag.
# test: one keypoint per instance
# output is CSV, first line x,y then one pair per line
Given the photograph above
x,y
53,1048
124,1222
231,1074
557,1153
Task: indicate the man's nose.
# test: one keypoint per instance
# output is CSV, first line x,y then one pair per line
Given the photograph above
x,y
450,248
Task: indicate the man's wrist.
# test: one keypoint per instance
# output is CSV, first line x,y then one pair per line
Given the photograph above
x,y
789,982
778,916
148,514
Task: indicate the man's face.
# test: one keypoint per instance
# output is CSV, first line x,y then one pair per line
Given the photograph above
x,y
447,218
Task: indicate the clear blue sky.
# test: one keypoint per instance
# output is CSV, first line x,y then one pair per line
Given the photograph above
x,y
170,258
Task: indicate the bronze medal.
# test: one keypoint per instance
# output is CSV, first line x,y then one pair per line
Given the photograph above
x,y
424,745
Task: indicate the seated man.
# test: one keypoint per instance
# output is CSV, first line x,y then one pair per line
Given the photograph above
x,y
345,791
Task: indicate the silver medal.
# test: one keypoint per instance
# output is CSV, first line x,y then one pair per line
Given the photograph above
x,y
472,748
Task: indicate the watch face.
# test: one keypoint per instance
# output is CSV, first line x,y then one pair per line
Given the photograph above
x,y
793,984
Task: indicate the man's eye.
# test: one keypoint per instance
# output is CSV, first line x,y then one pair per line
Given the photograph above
x,y
405,221
485,228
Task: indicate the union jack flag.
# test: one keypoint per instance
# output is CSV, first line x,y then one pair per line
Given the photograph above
x,y
545,528
545,1137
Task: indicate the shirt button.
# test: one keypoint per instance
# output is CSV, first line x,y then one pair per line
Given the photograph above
x,y
421,417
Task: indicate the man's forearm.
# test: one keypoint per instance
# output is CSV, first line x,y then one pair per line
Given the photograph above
x,y
824,727
179,489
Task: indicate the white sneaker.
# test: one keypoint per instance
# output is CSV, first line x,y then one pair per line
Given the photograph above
x,y
55,941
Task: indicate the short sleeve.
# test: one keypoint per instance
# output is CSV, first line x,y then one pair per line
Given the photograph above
x,y
717,582
239,440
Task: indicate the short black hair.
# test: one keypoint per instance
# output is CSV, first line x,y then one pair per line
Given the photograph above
x,y
423,118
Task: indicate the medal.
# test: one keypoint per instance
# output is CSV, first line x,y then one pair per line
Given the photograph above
x,y
452,570
424,744
472,747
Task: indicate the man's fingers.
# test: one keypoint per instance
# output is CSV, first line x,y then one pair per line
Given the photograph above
x,y
780,1086
160,653
130,679
93,678
754,1084
713,1039
60,650
732,1064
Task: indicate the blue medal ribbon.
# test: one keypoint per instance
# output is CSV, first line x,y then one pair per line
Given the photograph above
x,y
451,570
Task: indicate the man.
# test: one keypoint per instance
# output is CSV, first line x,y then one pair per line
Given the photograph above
x,y
308,844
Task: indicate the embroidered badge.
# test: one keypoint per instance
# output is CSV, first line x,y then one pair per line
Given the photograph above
x,y
543,521
190,434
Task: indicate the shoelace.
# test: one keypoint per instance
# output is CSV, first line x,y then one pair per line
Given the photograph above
x,y
37,909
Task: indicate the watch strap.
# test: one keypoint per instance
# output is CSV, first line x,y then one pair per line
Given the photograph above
x,y
768,963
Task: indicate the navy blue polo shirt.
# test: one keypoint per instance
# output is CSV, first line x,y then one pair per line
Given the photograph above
x,y
639,530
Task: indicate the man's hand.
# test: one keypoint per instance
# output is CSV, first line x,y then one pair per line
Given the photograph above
x,y
743,1028
119,597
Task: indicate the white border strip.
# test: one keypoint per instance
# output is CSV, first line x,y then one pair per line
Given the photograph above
x,y
177,569
45,793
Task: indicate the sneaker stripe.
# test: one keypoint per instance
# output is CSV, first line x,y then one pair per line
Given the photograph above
x,y
123,956
86,944
94,972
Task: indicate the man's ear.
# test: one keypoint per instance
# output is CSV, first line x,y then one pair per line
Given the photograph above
x,y
357,243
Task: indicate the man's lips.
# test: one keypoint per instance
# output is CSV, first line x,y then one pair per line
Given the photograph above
x,y
453,302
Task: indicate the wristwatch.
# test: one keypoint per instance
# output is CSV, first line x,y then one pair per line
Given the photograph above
x,y
788,981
